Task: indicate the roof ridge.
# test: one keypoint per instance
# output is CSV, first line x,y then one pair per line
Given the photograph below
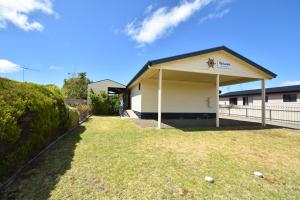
x,y
107,79
196,53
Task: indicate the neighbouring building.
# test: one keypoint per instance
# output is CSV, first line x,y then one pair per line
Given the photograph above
x,y
106,85
276,96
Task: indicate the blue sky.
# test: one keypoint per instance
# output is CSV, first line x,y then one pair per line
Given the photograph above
x,y
113,39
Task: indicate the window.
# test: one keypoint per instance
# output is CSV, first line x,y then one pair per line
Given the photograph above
x,y
290,98
267,99
233,101
245,101
139,86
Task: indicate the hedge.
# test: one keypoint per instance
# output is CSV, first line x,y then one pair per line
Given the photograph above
x,y
31,116
73,117
104,104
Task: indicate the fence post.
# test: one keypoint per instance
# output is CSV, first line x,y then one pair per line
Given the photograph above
x,y
229,111
270,114
246,112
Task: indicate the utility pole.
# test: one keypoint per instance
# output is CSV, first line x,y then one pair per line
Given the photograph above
x,y
23,73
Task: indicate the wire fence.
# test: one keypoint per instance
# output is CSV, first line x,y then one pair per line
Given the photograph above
x,y
276,113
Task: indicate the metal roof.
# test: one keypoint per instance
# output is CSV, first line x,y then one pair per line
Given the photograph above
x,y
197,53
284,89
121,85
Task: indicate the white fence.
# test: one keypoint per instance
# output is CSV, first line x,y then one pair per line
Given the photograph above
x,y
273,113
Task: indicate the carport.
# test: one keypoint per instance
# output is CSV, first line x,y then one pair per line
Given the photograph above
x,y
188,85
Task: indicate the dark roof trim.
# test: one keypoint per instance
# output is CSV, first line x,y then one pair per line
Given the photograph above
x,y
107,79
274,90
145,67
197,53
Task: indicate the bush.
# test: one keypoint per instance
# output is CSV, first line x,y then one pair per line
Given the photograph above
x,y
73,117
82,107
31,116
104,104
84,110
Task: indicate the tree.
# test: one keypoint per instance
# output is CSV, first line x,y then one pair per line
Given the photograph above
x,y
76,86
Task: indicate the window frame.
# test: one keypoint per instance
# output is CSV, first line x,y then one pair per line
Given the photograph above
x,y
245,103
235,101
287,98
267,99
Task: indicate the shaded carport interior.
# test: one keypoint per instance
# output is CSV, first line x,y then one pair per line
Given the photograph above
x,y
224,80
116,90
198,124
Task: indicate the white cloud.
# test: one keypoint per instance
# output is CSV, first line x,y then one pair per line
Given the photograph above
x,y
163,20
55,68
149,9
7,66
287,83
215,15
222,4
18,11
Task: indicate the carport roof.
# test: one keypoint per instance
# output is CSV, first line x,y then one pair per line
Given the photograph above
x,y
197,53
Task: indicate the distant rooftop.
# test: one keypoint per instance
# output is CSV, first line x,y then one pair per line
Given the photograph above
x,y
293,88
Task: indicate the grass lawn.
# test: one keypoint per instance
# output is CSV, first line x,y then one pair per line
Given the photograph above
x,y
109,158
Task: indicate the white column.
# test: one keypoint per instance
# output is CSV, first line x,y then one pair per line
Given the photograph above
x,y
263,103
159,99
217,100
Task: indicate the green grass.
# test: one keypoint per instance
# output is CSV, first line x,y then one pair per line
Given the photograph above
x,y
109,158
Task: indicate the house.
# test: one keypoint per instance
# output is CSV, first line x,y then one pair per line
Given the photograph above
x,y
106,85
187,85
276,96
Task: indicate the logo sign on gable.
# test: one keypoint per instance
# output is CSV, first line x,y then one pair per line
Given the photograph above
x,y
211,63
218,64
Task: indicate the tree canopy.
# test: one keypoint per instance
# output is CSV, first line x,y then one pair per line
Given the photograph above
x,y
76,86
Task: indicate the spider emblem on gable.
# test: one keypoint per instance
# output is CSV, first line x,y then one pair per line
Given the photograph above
x,y
211,63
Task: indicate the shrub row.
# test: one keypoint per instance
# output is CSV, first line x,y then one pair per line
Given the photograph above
x,y
31,116
104,104
82,107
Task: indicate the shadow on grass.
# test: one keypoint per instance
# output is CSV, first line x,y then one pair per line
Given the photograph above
x,y
210,125
40,178
189,125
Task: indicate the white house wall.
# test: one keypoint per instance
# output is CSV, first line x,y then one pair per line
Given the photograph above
x,y
136,98
179,97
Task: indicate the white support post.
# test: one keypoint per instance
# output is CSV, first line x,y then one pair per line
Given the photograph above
x,y
159,99
263,103
217,101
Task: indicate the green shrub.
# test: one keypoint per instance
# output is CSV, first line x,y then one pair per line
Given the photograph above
x,y
82,107
73,117
84,110
31,116
104,104
114,104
